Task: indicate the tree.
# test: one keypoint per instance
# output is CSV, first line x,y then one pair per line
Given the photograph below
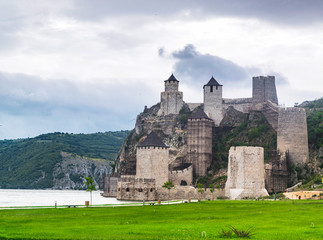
x,y
200,189
90,185
168,185
211,186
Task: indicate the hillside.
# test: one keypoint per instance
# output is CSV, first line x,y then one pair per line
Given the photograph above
x,y
30,163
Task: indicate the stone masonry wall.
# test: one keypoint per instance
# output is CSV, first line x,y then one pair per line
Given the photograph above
x,y
263,89
246,173
292,134
171,100
132,188
110,186
199,145
178,176
152,162
241,104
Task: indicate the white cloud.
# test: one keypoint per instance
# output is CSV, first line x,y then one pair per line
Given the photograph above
x,y
109,52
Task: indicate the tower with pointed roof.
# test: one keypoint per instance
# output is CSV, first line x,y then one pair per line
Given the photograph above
x,y
213,102
152,160
171,100
199,142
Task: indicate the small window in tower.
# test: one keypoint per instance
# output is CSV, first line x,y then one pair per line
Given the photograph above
x,y
140,190
127,189
216,87
211,88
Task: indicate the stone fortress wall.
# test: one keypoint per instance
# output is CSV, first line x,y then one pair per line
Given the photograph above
x,y
131,188
183,177
152,162
241,104
263,90
246,173
292,134
246,164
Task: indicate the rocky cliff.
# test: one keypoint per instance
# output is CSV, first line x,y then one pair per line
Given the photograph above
x,y
71,171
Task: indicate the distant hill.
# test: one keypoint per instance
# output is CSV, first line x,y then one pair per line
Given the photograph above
x,y
29,163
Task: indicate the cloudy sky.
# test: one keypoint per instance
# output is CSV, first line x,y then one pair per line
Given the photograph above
x,y
83,66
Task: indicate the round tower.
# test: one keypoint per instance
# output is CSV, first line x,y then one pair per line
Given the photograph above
x,y
213,102
199,142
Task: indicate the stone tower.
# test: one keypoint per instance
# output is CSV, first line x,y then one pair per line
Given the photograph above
x,y
152,160
292,134
263,89
199,142
213,102
246,173
171,100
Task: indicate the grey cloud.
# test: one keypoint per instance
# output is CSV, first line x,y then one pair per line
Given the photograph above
x,y
278,11
188,52
61,105
198,68
161,52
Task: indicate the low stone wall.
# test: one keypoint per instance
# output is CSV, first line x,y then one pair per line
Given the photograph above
x,y
241,104
110,186
188,192
131,188
182,177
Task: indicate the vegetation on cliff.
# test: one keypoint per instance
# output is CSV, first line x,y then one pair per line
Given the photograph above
x,y
29,163
314,122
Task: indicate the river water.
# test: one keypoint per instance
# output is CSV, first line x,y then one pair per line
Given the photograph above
x,y
19,198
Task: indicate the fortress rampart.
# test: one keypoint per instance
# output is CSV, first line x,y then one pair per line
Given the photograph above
x,y
182,177
241,104
246,173
292,134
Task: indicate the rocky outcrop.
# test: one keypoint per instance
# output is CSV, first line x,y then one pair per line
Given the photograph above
x,y
70,172
171,129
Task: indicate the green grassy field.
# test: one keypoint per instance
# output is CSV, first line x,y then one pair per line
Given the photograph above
x,y
269,219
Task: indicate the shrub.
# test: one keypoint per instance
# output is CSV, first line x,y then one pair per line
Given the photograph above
x,y
239,233
225,233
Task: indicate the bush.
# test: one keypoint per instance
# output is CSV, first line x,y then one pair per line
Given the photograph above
x,y
239,233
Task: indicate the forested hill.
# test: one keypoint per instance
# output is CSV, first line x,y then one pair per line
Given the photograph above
x,y
30,163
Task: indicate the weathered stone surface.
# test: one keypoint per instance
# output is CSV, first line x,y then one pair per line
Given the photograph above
x,y
213,106
263,89
277,173
199,144
171,101
182,177
152,162
292,134
241,104
246,173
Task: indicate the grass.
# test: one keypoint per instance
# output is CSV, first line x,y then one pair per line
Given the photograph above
x,y
267,219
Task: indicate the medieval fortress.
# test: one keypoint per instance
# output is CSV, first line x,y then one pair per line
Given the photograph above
x,y
155,162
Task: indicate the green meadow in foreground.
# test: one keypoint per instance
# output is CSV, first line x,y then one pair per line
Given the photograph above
x,y
268,219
